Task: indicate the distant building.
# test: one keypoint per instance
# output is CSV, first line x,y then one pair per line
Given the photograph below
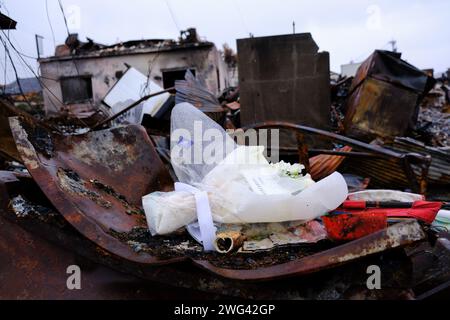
x,y
349,69
80,74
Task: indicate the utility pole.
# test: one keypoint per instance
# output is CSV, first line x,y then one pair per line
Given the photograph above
x,y
39,45
293,26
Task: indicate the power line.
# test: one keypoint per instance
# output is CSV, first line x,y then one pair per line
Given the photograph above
x,y
68,35
6,65
2,4
150,67
17,76
150,64
50,23
27,56
172,15
15,72
21,25
242,18
20,55
29,67
21,50
18,45
64,16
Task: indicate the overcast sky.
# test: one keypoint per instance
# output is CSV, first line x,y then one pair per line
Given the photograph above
x,y
349,29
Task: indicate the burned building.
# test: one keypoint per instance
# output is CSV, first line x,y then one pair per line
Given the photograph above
x,y
284,78
80,74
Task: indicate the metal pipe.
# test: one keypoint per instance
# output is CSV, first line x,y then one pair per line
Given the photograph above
x,y
345,153
131,106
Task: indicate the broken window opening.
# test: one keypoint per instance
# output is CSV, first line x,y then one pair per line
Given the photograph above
x,y
76,89
170,76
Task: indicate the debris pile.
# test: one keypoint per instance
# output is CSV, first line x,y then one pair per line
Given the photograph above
x,y
384,96
160,183
433,125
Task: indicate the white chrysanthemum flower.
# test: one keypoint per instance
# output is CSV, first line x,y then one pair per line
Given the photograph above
x,y
287,169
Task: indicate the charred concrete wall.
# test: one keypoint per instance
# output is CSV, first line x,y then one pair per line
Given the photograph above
x,y
106,70
284,78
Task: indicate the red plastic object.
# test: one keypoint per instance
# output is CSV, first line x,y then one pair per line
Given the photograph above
x,y
345,227
354,219
425,211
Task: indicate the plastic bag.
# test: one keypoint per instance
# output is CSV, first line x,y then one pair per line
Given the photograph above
x,y
223,173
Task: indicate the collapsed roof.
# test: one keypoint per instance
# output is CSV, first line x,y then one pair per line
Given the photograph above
x,y
74,47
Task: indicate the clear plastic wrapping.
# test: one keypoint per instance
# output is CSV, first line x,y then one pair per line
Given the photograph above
x,y
226,175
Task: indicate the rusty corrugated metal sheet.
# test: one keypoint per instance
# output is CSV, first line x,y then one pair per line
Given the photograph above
x,y
439,171
192,90
387,174
323,165
382,172
389,168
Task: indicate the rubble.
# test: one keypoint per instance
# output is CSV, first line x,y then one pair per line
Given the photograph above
x,y
87,71
433,125
384,96
436,124
101,179
131,87
439,170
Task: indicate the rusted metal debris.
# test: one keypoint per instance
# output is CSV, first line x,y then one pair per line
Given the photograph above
x,y
31,229
439,171
96,181
92,184
364,155
325,164
397,235
384,97
194,91
26,212
8,148
38,240
7,145
433,125
131,106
